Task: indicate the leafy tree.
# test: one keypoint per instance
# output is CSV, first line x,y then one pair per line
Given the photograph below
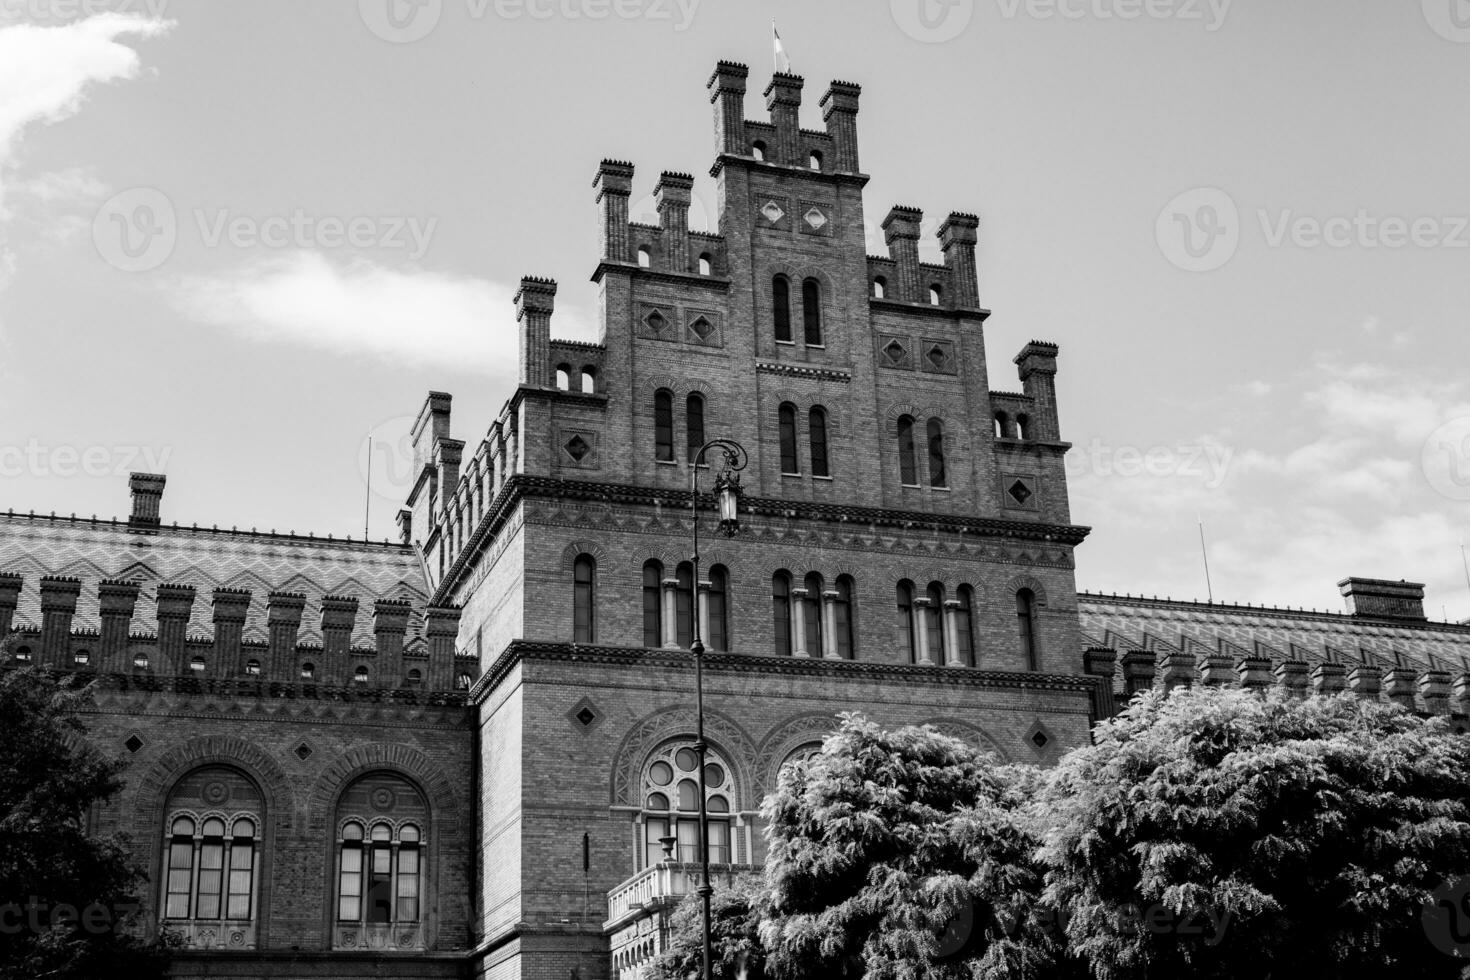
x,y
66,894
1218,834
736,952
883,841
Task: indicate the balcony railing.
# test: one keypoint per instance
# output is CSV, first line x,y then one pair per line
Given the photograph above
x,y
213,934
661,887
378,936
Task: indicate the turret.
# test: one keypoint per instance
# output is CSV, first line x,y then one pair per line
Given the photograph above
x,y
727,93
957,237
1037,366
614,184
535,301
901,234
783,99
839,111
672,197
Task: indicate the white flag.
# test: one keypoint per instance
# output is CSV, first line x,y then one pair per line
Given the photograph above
x,y
783,63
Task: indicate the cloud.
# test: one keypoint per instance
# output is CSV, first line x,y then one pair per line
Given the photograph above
x,y
424,319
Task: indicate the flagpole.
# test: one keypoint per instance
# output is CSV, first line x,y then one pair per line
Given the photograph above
x,y
1205,553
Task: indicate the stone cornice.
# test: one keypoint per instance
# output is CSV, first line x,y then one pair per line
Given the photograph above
x,y
928,309
734,663
520,486
754,164
1271,612
214,532
635,271
804,371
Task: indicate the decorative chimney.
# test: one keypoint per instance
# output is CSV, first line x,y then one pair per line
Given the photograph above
x,y
147,490
1376,598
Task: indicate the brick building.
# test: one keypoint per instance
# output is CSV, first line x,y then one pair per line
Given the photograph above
x,y
466,753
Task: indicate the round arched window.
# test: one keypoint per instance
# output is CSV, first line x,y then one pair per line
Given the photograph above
x,y
671,805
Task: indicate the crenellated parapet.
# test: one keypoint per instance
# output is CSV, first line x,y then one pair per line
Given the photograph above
x,y
669,247
780,140
117,647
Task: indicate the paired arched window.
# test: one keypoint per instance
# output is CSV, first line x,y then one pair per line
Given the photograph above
x,y
781,611
663,425
787,426
906,620
589,380
684,604
653,606
938,477
1026,623
817,433
1002,425
781,307
382,873
934,623
212,844
811,312
671,805
584,589
718,626
936,295
964,625
1023,426
908,466
812,613
842,619
564,377
694,423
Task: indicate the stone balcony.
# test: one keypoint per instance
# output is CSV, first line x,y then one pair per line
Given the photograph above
x,y
640,908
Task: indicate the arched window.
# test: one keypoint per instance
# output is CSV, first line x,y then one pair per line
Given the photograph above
x,y
906,624
196,665
671,805
645,257
584,584
936,294
964,625
811,312
880,287
213,821
252,668
938,477
589,380
1023,426
812,609
381,873
718,628
360,676
1026,621
781,611
781,307
934,623
663,425
81,658
842,619
758,150
684,604
1001,422
787,420
308,671
564,377
463,682
908,469
653,605
23,654
817,432
705,265
815,160
694,423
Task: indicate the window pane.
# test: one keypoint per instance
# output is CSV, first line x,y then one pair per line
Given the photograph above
x,y
688,760
244,827
788,438
811,311
688,795
379,896
180,875
582,597
684,605
964,634
657,801
906,619
688,835
211,879
817,428
934,622
661,773
718,804
408,884
842,618
937,475
653,849
242,863
694,424
653,573
408,834
719,842
349,888
781,612
781,307
719,627
663,426
812,605
907,470
1025,618
183,825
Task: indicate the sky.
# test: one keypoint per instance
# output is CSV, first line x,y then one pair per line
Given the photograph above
x,y
239,242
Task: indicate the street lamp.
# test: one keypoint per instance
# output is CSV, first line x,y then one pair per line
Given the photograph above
x,y
727,504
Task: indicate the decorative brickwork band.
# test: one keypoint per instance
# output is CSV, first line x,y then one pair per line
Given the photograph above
x,y
58,606
441,627
339,614
10,586
1293,677
283,624
175,602
116,602
230,607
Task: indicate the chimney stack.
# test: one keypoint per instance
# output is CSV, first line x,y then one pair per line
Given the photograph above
x,y
535,301
727,93
839,111
147,491
1376,598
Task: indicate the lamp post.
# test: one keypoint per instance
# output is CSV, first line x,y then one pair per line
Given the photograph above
x,y
727,503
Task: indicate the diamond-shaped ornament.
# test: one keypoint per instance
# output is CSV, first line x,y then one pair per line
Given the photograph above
x,y
895,351
815,218
937,356
577,448
655,321
773,212
1020,492
702,328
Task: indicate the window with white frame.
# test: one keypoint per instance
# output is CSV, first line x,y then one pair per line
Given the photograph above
x,y
671,805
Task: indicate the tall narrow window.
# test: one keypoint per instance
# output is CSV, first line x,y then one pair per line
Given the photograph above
x,y
242,869
694,424
811,312
1026,621
937,475
906,620
964,628
781,307
584,574
663,426
813,609
705,266
934,623
787,422
908,470
211,869
180,869
653,605
842,618
817,431
781,612
684,604
349,874
719,608
408,874
380,875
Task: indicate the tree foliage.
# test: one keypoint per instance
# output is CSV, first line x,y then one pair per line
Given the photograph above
x,y
67,895
735,945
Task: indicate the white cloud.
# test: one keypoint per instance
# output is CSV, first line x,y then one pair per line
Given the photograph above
x,y
425,319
